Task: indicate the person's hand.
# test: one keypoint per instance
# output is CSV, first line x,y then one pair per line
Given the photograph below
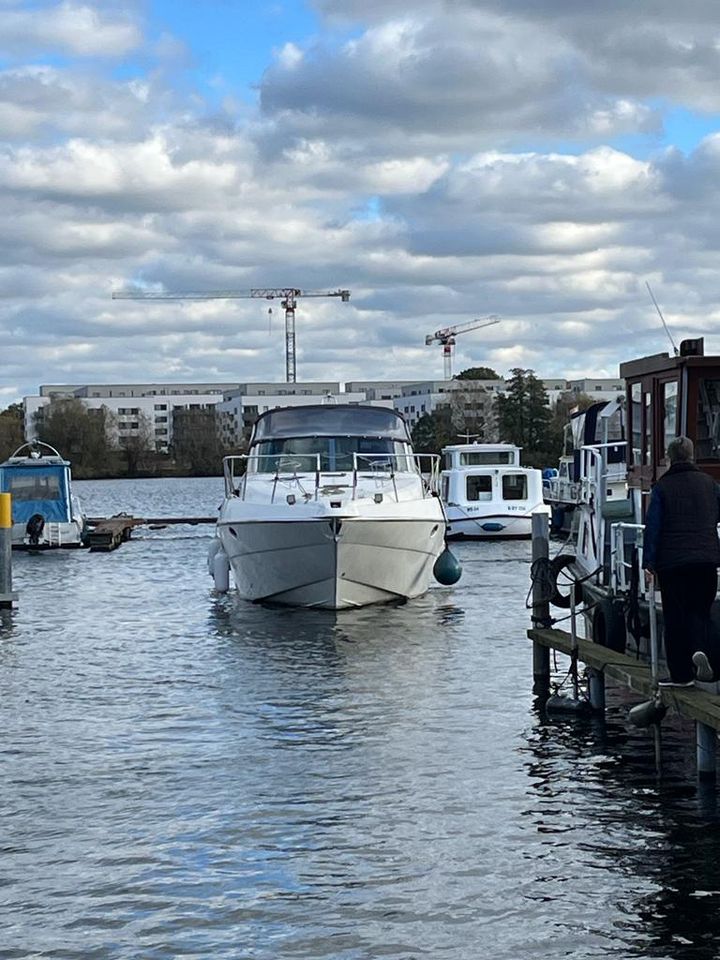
x,y
649,578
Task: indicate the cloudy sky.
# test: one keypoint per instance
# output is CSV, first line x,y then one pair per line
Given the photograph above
x,y
541,160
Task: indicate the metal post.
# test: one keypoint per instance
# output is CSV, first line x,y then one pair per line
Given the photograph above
x,y
540,604
654,670
573,643
6,591
596,689
706,742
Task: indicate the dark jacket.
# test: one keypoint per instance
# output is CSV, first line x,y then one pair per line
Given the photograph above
x,y
681,521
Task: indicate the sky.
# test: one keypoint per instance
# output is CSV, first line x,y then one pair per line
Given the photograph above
x,y
444,160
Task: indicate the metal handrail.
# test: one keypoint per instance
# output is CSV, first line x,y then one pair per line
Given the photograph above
x,y
374,463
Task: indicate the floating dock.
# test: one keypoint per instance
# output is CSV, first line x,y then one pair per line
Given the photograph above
x,y
109,533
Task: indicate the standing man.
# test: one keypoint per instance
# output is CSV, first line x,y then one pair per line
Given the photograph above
x,y
681,548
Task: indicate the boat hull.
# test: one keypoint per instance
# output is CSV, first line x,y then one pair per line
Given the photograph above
x,y
495,526
54,536
332,563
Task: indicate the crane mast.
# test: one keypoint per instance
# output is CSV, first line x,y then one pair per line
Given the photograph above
x,y
446,338
288,296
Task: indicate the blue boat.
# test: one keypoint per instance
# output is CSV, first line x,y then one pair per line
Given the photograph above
x,y
45,512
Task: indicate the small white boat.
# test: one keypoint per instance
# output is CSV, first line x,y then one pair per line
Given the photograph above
x,y
487,493
332,509
45,512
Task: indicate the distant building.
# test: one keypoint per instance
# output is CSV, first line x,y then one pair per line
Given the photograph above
x,y
474,399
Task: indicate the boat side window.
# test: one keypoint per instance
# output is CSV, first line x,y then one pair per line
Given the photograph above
x,y
478,488
445,491
636,421
647,443
27,487
669,402
514,486
707,444
481,458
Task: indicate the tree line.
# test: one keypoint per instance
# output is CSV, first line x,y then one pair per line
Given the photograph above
x,y
91,440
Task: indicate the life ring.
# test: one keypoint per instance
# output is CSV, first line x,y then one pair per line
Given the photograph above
x,y
562,562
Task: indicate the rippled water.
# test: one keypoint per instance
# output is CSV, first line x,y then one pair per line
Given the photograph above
x,y
187,775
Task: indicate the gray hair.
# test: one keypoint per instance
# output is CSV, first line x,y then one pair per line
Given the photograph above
x,y
680,450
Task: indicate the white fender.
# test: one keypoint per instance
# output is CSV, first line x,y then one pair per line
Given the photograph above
x,y
219,566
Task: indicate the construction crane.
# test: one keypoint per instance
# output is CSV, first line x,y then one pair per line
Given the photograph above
x,y
447,335
288,296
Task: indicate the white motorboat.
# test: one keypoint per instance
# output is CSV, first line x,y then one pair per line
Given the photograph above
x,y
330,509
45,512
487,493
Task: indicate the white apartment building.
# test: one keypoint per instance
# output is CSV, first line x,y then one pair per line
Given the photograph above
x,y
418,399
131,416
239,410
599,388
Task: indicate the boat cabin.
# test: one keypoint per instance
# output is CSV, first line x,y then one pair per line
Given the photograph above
x,y
39,484
461,456
329,438
668,397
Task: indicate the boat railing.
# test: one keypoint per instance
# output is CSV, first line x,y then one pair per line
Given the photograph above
x,y
310,475
622,536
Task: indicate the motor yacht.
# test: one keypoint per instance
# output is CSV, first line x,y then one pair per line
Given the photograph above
x,y
45,512
331,508
487,493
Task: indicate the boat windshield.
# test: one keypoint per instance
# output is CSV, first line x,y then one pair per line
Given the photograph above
x,y
331,421
33,485
337,454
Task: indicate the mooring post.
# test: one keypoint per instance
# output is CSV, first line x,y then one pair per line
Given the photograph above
x,y
6,591
596,689
706,742
540,602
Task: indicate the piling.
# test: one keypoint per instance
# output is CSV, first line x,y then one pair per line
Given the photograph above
x,y
596,689
7,597
540,602
706,742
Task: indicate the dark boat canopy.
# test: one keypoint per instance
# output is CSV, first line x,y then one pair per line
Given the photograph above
x,y
669,397
330,420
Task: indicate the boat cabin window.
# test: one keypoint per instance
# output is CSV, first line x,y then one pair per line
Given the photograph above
x,y
669,403
300,454
636,421
514,486
481,458
33,487
707,443
647,442
478,488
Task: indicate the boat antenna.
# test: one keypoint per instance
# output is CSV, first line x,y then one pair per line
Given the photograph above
x,y
652,296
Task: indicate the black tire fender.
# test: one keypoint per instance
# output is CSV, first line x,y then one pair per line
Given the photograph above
x,y
563,561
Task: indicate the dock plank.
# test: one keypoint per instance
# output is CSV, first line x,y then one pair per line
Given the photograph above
x,y
701,703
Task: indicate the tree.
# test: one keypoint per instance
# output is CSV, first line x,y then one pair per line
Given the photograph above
x,y
196,442
81,434
138,445
524,417
433,431
12,429
478,373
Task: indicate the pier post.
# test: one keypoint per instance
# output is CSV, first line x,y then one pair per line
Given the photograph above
x,y
540,602
706,742
596,689
6,591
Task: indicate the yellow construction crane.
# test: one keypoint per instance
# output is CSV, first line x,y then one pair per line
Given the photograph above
x,y
288,295
447,335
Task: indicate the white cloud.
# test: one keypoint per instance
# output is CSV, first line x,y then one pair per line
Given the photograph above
x,y
74,28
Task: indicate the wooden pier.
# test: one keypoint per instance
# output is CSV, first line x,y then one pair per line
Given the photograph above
x,y
109,533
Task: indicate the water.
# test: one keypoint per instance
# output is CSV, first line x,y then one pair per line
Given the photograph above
x,y
186,775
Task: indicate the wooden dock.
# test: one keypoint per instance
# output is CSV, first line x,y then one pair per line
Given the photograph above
x,y
699,703
109,533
